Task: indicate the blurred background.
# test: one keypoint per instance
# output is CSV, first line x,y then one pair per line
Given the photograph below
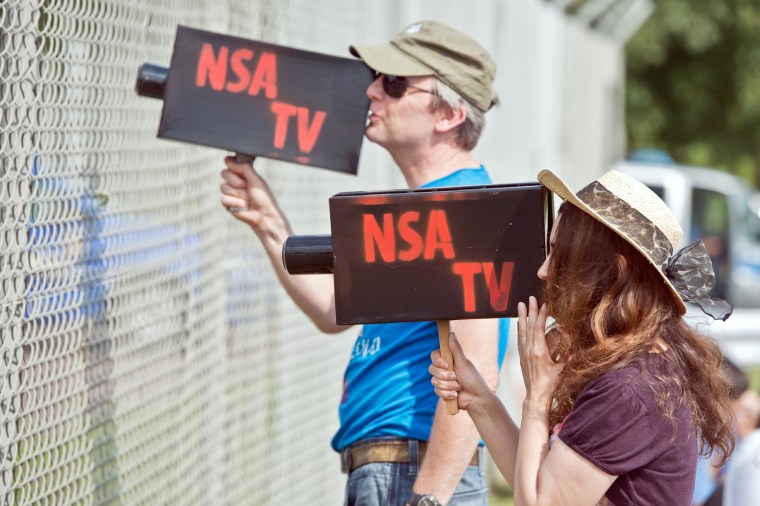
x,y
149,356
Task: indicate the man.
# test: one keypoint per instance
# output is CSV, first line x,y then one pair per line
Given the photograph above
x,y
429,120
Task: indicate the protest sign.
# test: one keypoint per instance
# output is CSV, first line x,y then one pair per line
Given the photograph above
x,y
262,99
438,254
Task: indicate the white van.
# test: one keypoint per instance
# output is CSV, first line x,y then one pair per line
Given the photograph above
x,y
713,206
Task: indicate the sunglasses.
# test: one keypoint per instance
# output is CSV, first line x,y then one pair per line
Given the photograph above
x,y
395,86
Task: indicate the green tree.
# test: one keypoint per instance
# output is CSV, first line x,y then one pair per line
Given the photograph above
x,y
693,84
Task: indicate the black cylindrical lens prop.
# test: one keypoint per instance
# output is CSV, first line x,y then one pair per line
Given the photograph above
x,y
151,80
308,254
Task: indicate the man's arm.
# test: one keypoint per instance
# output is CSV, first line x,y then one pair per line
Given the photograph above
x,y
250,200
453,439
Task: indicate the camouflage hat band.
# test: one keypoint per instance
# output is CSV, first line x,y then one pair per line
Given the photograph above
x,y
628,223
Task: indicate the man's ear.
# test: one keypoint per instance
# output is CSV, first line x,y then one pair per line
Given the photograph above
x,y
450,118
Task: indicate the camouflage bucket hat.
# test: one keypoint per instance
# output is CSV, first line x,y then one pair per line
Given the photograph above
x,y
432,48
641,218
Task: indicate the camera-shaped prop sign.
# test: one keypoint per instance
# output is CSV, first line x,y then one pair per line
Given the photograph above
x,y
261,99
430,254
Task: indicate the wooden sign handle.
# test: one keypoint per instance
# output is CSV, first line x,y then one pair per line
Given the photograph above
x,y
444,329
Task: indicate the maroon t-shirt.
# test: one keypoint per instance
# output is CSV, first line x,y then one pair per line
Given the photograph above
x,y
617,426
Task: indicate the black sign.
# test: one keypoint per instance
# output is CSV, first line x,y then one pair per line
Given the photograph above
x,y
438,254
262,99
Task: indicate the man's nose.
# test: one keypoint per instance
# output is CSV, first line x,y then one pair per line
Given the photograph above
x,y
375,88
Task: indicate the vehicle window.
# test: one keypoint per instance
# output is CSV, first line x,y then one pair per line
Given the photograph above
x,y
709,214
659,190
752,224
710,223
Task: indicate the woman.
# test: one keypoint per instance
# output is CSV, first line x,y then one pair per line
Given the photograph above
x,y
629,391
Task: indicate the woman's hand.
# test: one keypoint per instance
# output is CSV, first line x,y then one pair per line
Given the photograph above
x,y
464,383
539,371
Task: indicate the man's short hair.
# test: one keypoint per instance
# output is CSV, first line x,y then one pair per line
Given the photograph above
x,y
468,133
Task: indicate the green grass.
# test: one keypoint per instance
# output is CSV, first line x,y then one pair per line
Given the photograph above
x,y
753,375
500,495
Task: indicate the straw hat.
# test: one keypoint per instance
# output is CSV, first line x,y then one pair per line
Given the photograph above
x,y
632,211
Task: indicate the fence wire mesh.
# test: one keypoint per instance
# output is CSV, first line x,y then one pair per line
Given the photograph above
x,y
149,355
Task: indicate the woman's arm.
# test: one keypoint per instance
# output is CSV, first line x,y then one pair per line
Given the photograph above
x,y
538,474
554,476
499,432
542,475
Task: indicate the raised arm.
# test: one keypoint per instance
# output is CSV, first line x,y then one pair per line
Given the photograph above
x,y
248,198
542,475
538,474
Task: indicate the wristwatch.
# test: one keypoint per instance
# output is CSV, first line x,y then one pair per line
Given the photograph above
x,y
424,500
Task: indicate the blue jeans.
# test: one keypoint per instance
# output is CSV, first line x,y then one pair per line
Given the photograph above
x,y
390,484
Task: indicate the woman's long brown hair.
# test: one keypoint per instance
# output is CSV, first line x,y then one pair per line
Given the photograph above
x,y
615,307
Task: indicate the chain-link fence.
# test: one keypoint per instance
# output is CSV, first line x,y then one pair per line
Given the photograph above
x,y
148,354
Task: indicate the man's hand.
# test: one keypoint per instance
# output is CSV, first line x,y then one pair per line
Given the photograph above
x,y
249,198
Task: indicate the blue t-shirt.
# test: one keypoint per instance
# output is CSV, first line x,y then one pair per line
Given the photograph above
x,y
386,386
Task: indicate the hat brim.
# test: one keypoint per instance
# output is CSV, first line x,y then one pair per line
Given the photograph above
x,y
389,60
558,187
